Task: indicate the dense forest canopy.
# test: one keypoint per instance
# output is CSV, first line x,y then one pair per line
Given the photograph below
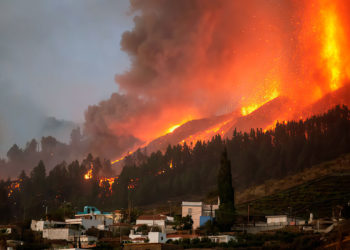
x,y
181,170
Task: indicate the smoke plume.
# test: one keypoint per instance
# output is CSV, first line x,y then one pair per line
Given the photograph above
x,y
199,58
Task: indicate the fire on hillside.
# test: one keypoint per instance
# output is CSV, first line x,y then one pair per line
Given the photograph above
x,y
281,66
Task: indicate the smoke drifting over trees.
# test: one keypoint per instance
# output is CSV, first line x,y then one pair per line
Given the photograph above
x,y
197,58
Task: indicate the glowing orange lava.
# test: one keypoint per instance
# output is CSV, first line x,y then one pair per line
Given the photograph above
x,y
331,47
120,159
171,129
206,135
110,181
246,110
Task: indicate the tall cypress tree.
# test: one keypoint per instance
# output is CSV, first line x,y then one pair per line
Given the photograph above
x,y
225,215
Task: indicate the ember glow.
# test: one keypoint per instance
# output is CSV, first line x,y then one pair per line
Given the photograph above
x,y
331,46
133,183
110,182
193,59
88,175
15,185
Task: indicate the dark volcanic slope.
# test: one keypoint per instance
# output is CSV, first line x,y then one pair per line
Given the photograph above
x,y
186,130
264,116
278,109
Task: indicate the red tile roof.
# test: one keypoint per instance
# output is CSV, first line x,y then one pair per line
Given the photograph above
x,y
184,236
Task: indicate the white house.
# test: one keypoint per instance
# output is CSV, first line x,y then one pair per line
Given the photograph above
x,y
197,210
154,220
139,236
222,238
273,220
153,237
277,219
67,234
157,237
40,225
92,217
101,224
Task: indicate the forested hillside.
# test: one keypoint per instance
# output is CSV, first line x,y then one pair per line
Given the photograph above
x,y
181,170
255,157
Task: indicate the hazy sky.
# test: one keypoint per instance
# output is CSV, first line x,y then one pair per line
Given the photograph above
x,y
62,55
56,58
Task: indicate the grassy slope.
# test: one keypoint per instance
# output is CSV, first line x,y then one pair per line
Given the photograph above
x,y
315,190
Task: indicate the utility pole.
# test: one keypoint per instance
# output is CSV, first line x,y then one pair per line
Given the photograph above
x,y
248,213
169,208
129,205
129,211
154,211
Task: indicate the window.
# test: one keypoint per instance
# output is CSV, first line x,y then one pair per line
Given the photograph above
x,y
189,211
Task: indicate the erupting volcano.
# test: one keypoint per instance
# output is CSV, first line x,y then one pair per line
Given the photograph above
x,y
201,68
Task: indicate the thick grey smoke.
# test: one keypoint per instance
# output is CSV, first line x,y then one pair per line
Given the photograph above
x,y
192,59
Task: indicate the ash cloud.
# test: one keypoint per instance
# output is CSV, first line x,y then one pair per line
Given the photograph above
x,y
191,59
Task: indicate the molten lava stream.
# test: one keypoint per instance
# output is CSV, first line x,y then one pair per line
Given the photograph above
x,y
331,46
246,110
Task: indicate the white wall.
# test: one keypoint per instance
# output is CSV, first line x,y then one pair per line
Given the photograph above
x,y
277,219
37,225
195,211
87,223
157,237
40,225
150,223
60,234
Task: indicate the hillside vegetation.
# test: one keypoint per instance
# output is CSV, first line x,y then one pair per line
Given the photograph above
x,y
184,170
256,157
339,165
320,197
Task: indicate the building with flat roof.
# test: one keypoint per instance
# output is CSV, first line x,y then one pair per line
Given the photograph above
x,y
199,212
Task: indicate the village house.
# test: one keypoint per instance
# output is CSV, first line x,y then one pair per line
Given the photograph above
x,y
277,219
151,237
92,217
154,220
40,225
272,220
66,233
199,212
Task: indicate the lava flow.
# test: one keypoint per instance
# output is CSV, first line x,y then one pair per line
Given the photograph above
x,y
211,67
